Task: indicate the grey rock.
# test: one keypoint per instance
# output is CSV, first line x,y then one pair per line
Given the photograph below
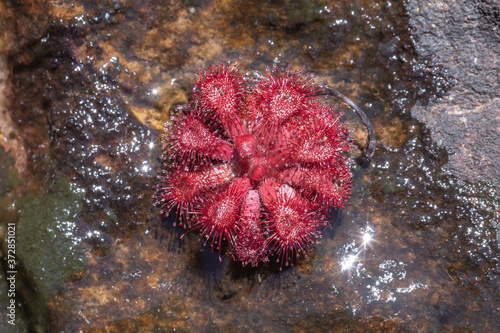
x,y
463,36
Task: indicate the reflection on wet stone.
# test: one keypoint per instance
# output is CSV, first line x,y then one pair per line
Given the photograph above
x,y
416,249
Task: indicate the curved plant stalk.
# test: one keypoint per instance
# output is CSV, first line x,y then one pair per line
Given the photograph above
x,y
370,141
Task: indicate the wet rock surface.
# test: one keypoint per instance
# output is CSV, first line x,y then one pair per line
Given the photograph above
x,y
416,249
463,36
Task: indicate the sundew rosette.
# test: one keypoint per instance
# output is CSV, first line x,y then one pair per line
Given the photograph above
x,y
255,163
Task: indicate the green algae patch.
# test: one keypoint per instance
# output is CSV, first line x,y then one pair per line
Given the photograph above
x,y
48,247
47,242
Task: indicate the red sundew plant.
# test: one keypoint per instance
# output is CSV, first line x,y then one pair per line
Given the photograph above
x,y
257,163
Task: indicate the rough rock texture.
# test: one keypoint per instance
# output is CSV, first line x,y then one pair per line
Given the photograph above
x,y
464,37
